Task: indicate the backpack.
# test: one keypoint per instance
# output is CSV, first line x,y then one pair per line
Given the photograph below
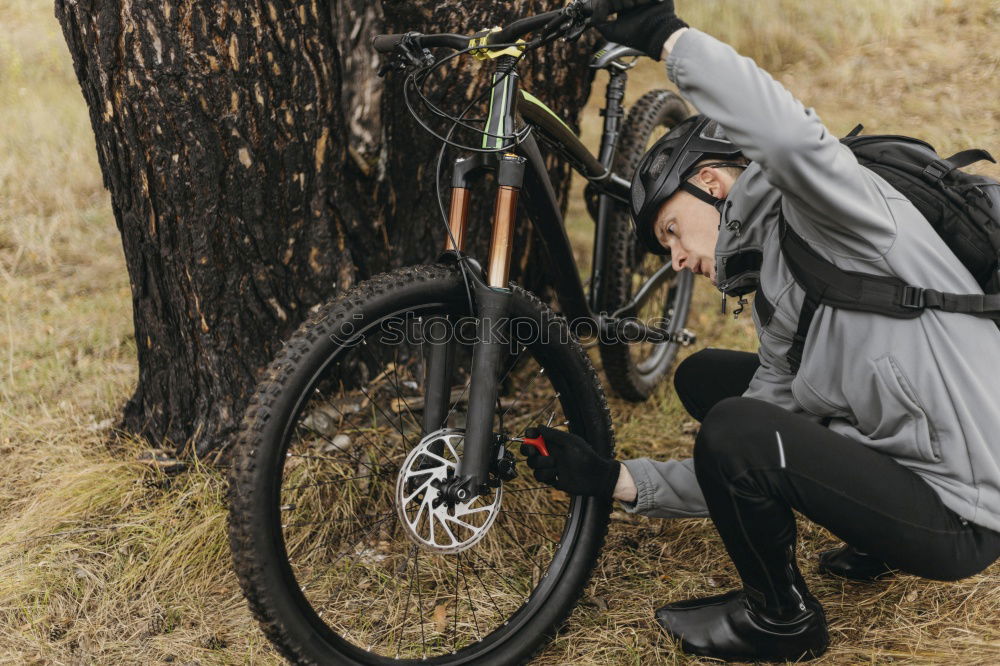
x,y
964,209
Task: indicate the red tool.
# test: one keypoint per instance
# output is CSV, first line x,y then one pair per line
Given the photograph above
x,y
538,443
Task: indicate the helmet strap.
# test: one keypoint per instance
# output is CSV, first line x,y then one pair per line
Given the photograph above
x,y
699,193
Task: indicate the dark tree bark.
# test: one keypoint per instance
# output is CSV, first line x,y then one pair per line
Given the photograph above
x,y
256,168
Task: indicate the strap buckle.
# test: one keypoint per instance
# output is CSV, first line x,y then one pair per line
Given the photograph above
x,y
936,171
913,297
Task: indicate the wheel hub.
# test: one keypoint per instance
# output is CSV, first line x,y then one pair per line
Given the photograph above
x,y
430,518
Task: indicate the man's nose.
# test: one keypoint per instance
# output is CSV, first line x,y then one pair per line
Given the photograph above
x,y
678,259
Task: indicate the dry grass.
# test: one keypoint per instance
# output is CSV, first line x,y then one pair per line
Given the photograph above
x,y
104,561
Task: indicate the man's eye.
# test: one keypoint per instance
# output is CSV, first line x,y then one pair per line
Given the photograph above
x,y
672,229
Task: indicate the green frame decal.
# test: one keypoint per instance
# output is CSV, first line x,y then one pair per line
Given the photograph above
x,y
531,99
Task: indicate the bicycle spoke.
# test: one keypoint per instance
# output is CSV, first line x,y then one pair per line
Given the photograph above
x,y
342,555
548,404
358,430
525,525
399,393
420,606
527,557
536,513
513,365
489,567
388,418
538,374
406,606
318,484
458,400
454,623
487,590
326,521
331,443
399,390
472,608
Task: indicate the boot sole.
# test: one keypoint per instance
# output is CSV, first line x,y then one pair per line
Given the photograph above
x,y
807,655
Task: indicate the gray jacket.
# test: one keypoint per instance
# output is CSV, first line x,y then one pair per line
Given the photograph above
x,y
925,391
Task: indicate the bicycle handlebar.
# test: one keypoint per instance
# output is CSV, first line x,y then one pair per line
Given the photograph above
x,y
508,35
388,43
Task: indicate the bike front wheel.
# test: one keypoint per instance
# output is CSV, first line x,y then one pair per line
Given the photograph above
x,y
340,550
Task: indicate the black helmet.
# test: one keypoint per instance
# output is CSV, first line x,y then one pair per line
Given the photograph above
x,y
667,166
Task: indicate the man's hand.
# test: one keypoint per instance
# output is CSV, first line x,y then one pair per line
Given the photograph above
x,y
645,28
572,465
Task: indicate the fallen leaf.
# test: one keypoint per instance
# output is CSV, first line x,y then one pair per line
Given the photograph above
x,y
441,617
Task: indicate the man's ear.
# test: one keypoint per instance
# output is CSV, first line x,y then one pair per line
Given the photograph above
x,y
710,177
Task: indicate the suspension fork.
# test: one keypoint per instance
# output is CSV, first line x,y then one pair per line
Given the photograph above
x,y
493,341
492,295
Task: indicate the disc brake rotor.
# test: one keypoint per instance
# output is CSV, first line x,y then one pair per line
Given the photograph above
x,y
428,520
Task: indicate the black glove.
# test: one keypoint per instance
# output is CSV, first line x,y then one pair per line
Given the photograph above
x,y
572,465
646,28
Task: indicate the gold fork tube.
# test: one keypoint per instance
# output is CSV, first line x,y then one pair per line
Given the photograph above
x,y
458,219
504,213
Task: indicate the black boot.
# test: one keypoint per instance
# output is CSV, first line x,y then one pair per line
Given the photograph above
x,y
773,618
733,627
850,563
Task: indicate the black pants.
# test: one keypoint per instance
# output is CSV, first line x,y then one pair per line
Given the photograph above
x,y
756,463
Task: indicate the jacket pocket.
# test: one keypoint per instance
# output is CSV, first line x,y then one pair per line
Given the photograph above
x,y
894,419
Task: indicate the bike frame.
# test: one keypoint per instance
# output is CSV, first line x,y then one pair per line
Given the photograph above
x,y
519,174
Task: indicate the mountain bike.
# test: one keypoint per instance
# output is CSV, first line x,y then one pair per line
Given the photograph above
x,y
379,510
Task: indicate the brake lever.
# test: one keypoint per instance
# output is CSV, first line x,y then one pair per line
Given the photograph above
x,y
407,54
575,33
577,18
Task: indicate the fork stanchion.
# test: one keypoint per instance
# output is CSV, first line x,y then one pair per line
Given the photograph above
x,y
458,219
510,177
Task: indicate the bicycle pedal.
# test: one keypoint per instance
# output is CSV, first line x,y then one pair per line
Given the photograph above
x,y
686,337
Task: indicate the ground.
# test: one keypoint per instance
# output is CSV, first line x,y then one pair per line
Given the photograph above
x,y
103,560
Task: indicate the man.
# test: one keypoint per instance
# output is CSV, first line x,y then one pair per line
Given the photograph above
x,y
885,431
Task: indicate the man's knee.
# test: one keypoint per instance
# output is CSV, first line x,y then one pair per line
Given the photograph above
x,y
688,379
732,432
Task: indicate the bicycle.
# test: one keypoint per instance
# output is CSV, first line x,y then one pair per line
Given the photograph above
x,y
377,512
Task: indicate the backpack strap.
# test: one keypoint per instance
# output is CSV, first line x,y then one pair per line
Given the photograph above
x,y
847,290
967,157
825,283
982,305
937,170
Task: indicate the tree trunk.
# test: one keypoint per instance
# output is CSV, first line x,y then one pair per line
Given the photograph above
x,y
252,175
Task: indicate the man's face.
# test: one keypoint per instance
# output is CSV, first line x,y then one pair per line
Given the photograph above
x,y
690,228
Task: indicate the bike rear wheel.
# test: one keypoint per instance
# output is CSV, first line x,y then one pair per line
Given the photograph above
x,y
330,473
635,369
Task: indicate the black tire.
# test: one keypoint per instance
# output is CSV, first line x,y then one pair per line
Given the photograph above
x,y
258,496
635,369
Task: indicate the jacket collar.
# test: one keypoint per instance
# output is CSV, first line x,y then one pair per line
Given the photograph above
x,y
742,229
